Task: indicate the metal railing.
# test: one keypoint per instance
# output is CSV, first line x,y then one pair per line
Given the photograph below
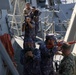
x,y
16,19
47,27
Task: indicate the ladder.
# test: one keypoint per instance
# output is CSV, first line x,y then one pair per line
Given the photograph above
x,y
16,18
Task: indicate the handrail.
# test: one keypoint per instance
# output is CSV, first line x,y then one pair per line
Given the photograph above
x,y
46,28
7,59
10,15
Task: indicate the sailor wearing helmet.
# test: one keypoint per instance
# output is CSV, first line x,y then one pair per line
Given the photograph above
x,y
48,49
67,65
31,59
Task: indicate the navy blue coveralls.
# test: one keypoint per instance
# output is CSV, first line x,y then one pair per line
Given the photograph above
x,y
47,60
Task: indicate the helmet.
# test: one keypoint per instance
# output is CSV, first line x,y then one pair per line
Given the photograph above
x,y
33,7
27,17
28,44
50,37
66,46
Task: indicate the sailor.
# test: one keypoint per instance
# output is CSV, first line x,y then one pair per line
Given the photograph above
x,y
48,49
67,65
28,28
27,9
31,60
35,13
